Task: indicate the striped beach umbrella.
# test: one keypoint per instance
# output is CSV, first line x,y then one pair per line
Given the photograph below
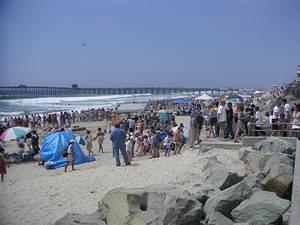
x,y
14,133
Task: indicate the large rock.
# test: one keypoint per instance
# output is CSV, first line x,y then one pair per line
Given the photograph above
x,y
241,224
286,217
275,145
219,219
79,219
263,208
153,205
221,176
253,159
225,201
202,192
280,175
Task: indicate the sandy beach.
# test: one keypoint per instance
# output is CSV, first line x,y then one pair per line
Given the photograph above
x,y
32,195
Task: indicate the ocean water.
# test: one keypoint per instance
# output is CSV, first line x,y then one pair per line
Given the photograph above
x,y
29,106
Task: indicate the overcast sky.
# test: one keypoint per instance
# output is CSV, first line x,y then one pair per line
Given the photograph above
x,y
166,43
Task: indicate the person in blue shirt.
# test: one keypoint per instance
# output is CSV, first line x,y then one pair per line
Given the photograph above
x,y
118,138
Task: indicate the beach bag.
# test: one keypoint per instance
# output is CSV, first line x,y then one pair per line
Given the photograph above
x,y
49,165
183,140
65,153
172,146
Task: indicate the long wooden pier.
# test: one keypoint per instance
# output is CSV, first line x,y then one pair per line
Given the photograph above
x,y
26,91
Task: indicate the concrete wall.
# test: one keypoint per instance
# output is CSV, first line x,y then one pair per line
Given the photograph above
x,y
295,210
250,141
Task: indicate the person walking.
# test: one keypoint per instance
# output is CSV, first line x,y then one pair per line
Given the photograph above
x,y
222,119
89,143
2,164
229,114
118,138
71,155
100,136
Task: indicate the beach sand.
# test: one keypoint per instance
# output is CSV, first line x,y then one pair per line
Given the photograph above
x,y
32,195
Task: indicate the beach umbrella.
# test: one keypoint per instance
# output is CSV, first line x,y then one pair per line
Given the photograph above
x,y
14,133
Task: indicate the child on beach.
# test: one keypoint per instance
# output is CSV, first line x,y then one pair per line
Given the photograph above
x,y
154,144
167,145
89,142
129,148
71,155
100,136
2,164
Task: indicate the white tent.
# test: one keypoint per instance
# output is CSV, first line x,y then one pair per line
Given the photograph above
x,y
258,92
204,97
132,107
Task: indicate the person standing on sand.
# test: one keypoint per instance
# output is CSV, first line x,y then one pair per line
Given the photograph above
x,y
118,138
35,142
193,129
100,136
71,155
229,114
167,144
222,119
129,148
89,142
2,164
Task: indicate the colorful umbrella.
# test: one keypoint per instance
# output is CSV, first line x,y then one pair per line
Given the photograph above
x,y
14,133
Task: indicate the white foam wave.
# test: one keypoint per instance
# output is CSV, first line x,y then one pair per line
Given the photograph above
x,y
59,100
12,113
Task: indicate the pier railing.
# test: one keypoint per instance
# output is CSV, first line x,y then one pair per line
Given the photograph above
x,y
275,129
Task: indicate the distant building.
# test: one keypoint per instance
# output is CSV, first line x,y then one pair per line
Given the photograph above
x,y
74,86
298,74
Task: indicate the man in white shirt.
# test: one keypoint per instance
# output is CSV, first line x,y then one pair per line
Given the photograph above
x,y
276,112
275,118
222,119
287,115
286,111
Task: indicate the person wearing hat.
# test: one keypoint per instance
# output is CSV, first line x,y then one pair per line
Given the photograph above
x,y
71,155
118,138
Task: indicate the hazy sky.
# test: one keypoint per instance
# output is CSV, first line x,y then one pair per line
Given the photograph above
x,y
116,43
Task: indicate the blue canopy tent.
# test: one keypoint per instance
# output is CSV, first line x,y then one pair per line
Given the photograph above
x,y
183,101
54,145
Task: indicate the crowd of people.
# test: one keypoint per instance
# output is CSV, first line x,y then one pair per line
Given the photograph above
x,y
147,132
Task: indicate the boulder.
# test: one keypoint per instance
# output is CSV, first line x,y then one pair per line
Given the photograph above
x,y
262,208
251,158
280,175
275,145
225,201
223,179
79,219
241,224
218,175
155,205
219,219
201,191
286,217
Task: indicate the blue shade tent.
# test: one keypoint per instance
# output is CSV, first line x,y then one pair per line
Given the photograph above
x,y
54,145
183,101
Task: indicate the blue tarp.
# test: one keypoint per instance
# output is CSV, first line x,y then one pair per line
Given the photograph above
x,y
182,101
54,145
